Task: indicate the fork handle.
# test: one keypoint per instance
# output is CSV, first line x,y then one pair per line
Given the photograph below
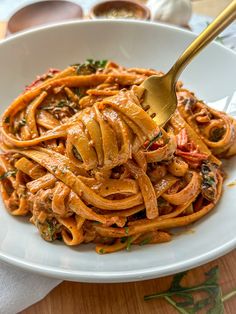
x,y
224,19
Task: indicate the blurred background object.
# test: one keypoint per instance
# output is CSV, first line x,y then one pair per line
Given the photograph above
x,y
41,13
120,9
209,7
177,12
204,7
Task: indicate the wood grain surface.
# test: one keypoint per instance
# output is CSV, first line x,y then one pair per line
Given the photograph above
x,y
127,298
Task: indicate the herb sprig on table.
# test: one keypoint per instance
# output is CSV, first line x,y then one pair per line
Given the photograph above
x,y
182,297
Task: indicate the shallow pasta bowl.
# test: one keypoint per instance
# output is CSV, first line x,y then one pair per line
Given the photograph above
x,y
211,76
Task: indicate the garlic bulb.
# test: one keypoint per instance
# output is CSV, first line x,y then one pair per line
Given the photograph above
x,y
176,12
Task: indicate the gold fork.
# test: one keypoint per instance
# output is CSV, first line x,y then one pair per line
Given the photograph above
x,y
160,99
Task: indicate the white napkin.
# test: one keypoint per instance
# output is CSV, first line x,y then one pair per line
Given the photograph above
x,y
228,37
20,289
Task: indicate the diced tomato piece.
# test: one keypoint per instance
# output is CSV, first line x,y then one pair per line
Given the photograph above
x,y
154,146
41,78
192,154
182,138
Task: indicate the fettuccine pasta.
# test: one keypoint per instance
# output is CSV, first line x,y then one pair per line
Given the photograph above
x,y
84,160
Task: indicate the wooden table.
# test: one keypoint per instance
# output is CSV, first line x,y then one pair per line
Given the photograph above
x,y
127,298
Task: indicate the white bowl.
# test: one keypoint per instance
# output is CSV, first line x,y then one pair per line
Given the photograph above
x,y
131,43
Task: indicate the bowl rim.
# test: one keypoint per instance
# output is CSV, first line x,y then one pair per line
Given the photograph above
x,y
118,276
104,20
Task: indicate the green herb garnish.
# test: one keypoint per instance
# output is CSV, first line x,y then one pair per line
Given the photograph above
x,y
10,173
145,241
101,251
49,230
61,104
209,181
90,66
7,120
52,230
127,230
80,92
129,241
99,64
154,140
22,122
19,124
212,299
123,239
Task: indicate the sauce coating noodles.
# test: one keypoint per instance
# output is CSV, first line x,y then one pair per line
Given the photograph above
x,y
86,162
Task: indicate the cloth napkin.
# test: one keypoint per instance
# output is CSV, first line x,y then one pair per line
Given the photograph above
x,y
19,289
228,37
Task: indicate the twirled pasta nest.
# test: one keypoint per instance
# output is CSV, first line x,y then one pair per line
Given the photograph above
x,y
83,158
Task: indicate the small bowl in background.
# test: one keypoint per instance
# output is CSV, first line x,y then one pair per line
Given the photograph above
x,y
42,13
120,9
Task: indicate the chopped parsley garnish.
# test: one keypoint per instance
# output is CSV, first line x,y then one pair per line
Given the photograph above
x,y
80,92
101,251
145,241
154,140
129,242
52,230
49,229
207,170
19,124
10,173
22,122
123,239
209,181
127,230
90,66
99,64
61,104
